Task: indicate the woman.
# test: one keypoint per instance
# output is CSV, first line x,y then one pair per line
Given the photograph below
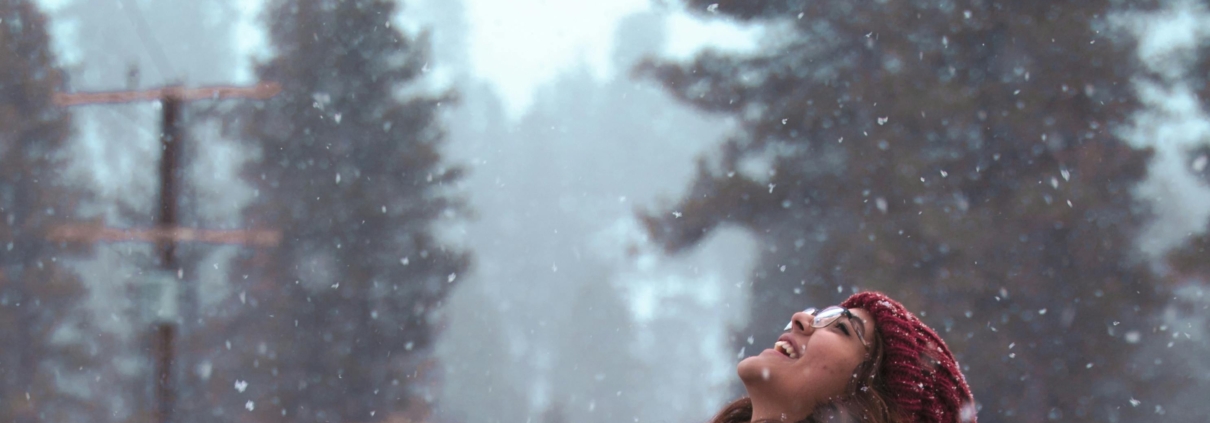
x,y
868,360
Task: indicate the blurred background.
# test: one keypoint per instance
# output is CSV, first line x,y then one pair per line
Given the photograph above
x,y
555,211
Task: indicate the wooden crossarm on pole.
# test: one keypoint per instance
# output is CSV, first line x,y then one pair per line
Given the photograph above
x,y
92,232
261,91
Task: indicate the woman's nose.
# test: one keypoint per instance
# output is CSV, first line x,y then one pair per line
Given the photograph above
x,y
801,322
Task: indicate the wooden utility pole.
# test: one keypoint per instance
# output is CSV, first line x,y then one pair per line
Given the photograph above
x,y
165,330
167,232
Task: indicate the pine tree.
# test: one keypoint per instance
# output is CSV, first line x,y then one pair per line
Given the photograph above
x,y
39,295
339,316
959,156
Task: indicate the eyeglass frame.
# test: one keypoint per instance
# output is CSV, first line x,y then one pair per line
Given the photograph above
x,y
818,323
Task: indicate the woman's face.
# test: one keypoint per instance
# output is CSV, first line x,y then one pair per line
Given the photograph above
x,y
788,386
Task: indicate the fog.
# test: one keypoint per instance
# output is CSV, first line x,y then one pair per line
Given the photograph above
x,y
571,311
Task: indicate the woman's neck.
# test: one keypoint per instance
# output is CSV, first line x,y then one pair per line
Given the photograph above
x,y
763,411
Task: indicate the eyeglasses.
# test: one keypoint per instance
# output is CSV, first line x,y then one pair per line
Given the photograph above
x,y
826,317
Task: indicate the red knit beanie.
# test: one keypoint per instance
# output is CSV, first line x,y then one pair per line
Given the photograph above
x,y
925,383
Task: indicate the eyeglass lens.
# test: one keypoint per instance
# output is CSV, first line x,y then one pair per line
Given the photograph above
x,y
827,316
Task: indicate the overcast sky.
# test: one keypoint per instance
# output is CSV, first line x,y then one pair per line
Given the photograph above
x,y
518,44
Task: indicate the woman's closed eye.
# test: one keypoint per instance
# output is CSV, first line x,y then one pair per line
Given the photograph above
x,y
843,328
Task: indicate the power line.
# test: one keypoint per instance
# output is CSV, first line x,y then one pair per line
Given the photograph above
x,y
148,40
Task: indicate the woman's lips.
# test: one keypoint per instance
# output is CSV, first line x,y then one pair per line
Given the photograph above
x,y
775,352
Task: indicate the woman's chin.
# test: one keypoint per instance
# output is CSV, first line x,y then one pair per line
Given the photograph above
x,y
758,368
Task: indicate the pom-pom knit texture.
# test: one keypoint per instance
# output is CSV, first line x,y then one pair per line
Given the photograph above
x,y
925,383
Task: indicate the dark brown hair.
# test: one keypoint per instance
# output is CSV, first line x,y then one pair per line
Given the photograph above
x,y
864,400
